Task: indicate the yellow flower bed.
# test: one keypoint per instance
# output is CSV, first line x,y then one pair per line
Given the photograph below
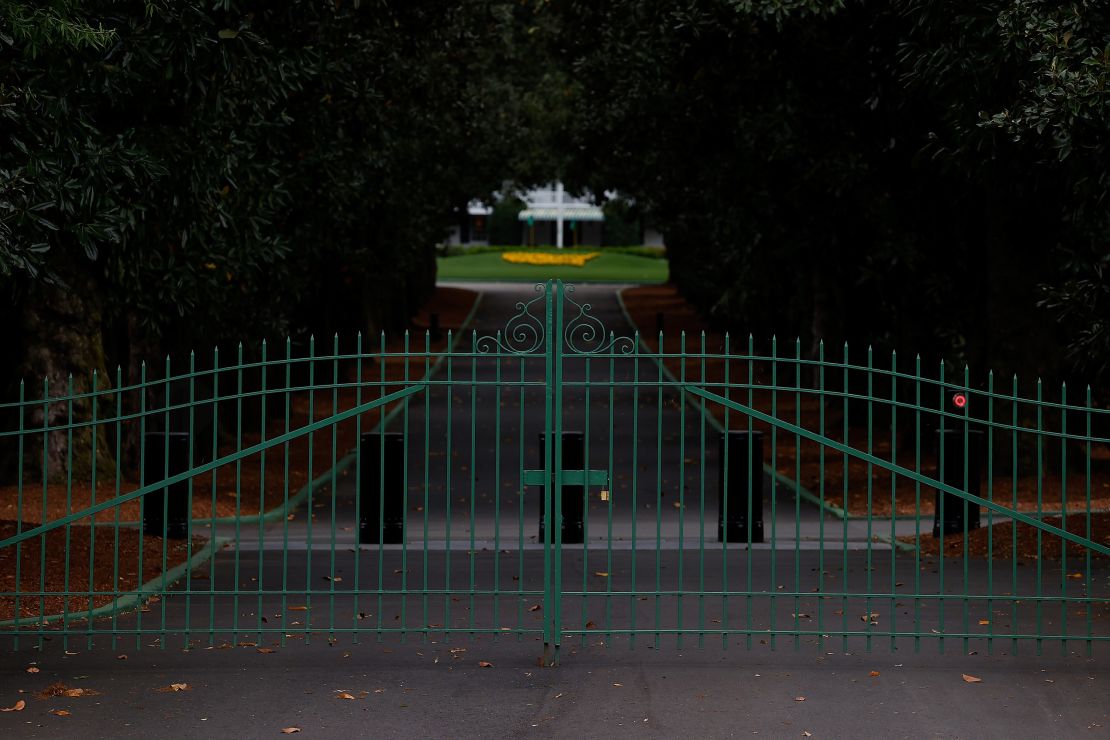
x,y
577,259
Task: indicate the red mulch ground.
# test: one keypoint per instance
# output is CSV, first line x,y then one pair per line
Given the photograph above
x,y
1001,537
32,578
645,302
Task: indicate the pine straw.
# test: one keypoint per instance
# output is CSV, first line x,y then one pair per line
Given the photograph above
x,y
821,465
53,579
1000,537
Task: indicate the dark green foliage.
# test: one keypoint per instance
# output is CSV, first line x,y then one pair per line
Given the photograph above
x,y
929,175
622,224
905,174
235,169
504,228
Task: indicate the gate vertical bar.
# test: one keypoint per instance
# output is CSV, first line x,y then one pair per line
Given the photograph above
x,y
549,458
555,344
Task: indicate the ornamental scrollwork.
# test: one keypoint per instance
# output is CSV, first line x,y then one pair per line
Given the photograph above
x,y
585,334
524,333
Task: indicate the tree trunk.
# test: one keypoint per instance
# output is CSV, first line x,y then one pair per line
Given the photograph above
x,y
63,347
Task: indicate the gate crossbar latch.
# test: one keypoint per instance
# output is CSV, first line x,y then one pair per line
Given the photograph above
x,y
570,477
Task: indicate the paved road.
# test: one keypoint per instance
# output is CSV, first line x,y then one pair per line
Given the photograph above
x,y
648,565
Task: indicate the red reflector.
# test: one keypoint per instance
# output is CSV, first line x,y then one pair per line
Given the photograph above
x,y
959,401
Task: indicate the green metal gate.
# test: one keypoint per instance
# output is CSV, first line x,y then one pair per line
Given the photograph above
x,y
399,490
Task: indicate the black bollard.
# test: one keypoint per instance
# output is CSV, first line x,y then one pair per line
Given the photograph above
x,y
166,511
381,489
745,483
953,475
574,458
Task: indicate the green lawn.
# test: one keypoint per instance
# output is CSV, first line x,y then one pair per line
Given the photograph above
x,y
608,268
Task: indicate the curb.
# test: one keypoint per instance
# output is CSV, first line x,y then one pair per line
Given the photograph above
x,y
776,477
132,599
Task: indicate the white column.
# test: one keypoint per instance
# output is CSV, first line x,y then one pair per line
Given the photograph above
x,y
559,215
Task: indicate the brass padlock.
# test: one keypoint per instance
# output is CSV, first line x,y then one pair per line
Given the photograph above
x,y
604,495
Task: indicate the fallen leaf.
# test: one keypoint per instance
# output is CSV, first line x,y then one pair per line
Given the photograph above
x,y
289,730
485,664
32,669
590,625
1075,575
601,574
121,657
60,712
984,621
54,689
266,651
344,695
874,673
334,579
17,707
534,608
298,608
799,615
799,698
618,684
971,679
74,693
807,733
175,687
